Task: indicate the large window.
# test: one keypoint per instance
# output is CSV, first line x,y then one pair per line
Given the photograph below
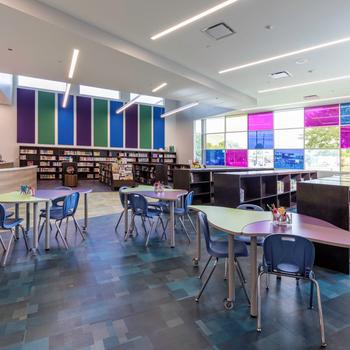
x,y
197,140
99,92
43,84
150,100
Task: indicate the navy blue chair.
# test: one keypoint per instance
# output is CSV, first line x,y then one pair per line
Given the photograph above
x,y
219,249
290,256
183,212
58,214
140,208
122,200
8,224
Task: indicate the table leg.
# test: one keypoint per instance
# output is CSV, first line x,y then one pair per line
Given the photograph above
x,y
228,303
35,228
86,213
253,276
47,226
126,218
27,217
197,257
17,216
172,224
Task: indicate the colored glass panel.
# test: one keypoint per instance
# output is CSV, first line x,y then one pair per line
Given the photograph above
x,y
237,158
260,139
215,157
65,121
83,121
326,137
345,114
25,116
116,128
158,128
321,116
322,159
100,123
345,137
260,121
215,141
145,126
46,118
289,159
260,158
131,126
345,160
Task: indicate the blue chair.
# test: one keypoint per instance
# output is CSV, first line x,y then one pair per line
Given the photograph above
x,y
290,256
7,224
182,213
219,249
122,200
58,214
140,208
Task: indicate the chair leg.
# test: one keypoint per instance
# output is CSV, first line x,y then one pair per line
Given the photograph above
x,y
119,220
41,230
144,225
66,229
60,233
226,270
239,267
191,222
163,227
24,237
205,267
207,280
320,312
258,327
150,233
7,250
311,302
185,229
241,278
2,244
131,228
78,227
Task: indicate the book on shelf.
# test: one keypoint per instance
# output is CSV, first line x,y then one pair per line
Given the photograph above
x,y
280,187
28,151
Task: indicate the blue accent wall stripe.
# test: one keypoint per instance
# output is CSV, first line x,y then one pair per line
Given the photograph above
x,y
158,128
65,121
116,125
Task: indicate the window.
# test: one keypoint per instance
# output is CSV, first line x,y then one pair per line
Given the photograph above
x,y
260,121
321,116
198,140
260,139
236,140
289,138
37,83
260,158
289,119
215,157
289,159
326,137
325,159
150,100
215,141
99,92
237,158
345,114
345,160
236,123
345,137
215,125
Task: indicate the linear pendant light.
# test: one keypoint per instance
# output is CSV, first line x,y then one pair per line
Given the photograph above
x,y
305,84
177,110
66,96
288,54
159,87
73,63
127,105
193,19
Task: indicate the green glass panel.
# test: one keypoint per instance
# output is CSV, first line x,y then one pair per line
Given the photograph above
x,y
46,118
145,126
100,123
322,137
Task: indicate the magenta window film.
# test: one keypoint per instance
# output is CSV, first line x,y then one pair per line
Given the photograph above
x,y
345,137
260,121
237,158
321,116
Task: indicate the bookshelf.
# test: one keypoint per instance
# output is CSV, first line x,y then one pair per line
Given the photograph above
x,y
49,159
116,175
149,173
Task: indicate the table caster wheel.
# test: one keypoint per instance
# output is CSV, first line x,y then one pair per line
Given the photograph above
x,y
258,330
228,304
323,345
195,262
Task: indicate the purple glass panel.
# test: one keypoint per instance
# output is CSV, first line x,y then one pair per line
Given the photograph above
x,y
260,121
83,121
237,158
25,116
321,116
345,137
131,127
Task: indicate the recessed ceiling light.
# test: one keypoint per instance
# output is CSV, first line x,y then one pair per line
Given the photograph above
x,y
280,75
177,110
127,105
73,63
302,61
66,96
193,19
159,87
284,55
323,81
269,27
219,31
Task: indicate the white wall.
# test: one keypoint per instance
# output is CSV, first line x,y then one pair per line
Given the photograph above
x,y
8,133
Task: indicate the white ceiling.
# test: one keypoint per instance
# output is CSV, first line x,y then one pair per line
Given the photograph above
x,y
116,50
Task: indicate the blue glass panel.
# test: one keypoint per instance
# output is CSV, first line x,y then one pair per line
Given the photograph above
x,y
262,139
116,130
215,157
289,159
345,114
158,128
65,121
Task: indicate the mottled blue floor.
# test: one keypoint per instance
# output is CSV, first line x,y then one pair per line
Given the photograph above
x,y
107,294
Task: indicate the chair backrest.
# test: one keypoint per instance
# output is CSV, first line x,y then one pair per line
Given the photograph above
x,y
66,188
204,229
250,207
289,254
70,204
2,215
138,204
122,195
188,200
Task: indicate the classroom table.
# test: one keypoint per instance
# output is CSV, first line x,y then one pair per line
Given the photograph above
x,y
17,198
253,224
169,195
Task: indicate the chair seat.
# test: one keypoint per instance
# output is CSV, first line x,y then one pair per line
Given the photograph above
x,y
11,223
159,204
219,249
56,213
246,240
288,268
151,213
177,211
51,208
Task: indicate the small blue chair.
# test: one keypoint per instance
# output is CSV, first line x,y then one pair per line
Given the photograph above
x,y
290,256
140,208
122,200
8,224
219,249
58,214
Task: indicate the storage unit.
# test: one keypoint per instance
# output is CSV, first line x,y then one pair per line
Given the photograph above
x,y
262,188
149,173
116,175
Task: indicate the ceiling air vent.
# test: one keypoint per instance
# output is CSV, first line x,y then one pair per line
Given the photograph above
x,y
280,75
311,97
219,31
